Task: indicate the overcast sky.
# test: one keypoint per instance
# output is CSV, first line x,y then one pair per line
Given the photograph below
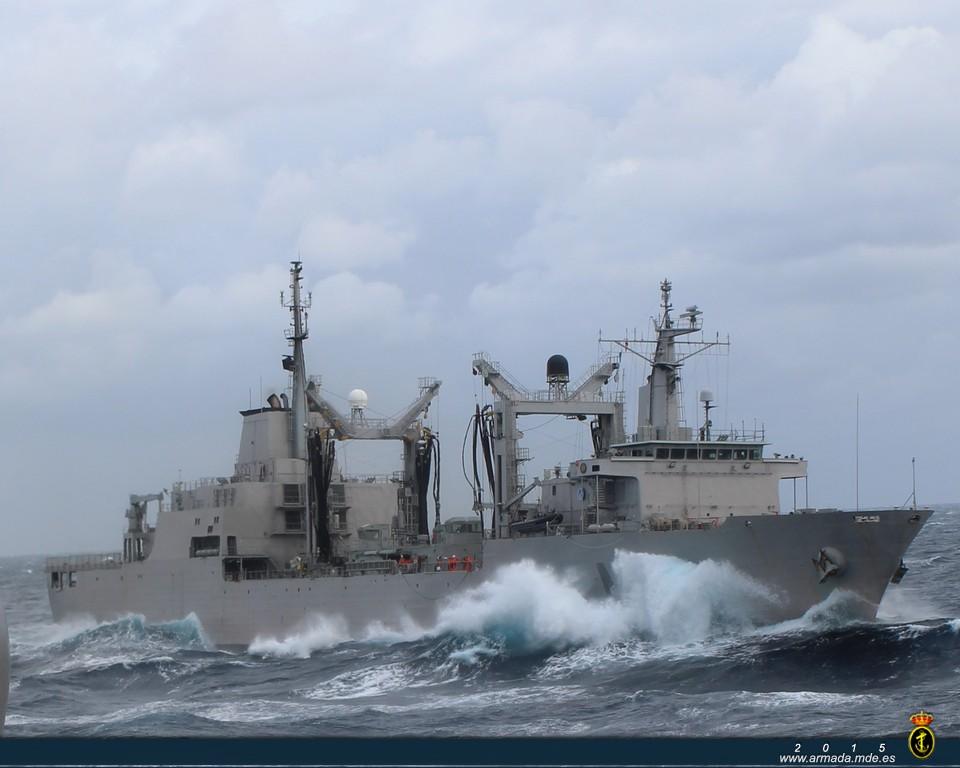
x,y
509,177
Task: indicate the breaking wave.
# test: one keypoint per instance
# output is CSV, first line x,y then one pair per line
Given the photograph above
x,y
134,630
316,633
528,608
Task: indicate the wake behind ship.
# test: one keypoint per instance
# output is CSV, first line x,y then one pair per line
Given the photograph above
x,y
288,537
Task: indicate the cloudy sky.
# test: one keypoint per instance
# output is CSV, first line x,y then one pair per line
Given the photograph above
x,y
509,177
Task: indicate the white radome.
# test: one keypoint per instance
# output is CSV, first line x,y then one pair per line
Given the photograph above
x,y
358,398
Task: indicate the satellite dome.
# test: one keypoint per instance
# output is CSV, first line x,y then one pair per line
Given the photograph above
x,y
357,398
558,369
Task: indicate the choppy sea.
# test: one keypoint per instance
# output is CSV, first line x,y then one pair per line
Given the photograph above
x,y
525,654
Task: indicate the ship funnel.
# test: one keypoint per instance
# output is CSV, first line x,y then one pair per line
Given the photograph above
x,y
274,401
284,400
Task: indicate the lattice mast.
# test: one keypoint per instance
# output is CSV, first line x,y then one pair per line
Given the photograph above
x,y
296,334
659,401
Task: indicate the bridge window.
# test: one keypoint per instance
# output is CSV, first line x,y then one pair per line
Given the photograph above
x,y
692,454
756,453
710,454
725,454
204,546
677,453
662,453
291,493
740,454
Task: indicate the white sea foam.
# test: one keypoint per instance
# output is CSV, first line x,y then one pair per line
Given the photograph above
x,y
473,654
532,607
378,632
840,608
314,634
527,607
364,683
788,699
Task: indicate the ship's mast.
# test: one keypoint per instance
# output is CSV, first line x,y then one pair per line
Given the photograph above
x,y
296,334
659,403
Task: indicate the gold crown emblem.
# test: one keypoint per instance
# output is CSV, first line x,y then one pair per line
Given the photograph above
x,y
921,718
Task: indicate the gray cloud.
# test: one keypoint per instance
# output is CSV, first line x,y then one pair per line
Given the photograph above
x,y
460,177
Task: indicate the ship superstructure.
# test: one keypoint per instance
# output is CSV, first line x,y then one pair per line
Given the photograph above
x,y
289,536
665,476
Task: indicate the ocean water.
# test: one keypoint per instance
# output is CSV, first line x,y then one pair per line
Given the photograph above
x,y
677,652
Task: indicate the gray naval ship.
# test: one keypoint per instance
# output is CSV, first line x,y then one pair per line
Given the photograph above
x,y
289,536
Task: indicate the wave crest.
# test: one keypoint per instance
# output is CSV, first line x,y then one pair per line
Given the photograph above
x,y
531,607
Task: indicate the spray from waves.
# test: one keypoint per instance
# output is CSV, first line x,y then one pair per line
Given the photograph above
x,y
314,634
319,632
838,610
528,607
905,603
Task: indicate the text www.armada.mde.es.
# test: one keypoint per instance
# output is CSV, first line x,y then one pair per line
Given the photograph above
x,y
865,758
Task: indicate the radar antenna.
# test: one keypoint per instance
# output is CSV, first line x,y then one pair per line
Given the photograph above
x,y
659,404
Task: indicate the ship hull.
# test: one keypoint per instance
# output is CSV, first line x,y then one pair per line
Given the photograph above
x,y
777,552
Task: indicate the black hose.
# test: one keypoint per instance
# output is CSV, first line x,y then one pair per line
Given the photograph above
x,y
478,486
321,452
463,457
486,441
435,444
422,478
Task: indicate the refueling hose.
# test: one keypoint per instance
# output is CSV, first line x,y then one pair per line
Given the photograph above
x,y
486,443
322,452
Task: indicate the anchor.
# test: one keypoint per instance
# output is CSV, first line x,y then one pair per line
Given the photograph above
x,y
829,562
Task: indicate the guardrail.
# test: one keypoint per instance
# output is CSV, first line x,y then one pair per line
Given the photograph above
x,y
356,568
84,562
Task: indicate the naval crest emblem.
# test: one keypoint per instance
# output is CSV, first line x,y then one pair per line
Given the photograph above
x,y
921,741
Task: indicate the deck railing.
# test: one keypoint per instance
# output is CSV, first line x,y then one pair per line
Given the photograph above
x,y
84,562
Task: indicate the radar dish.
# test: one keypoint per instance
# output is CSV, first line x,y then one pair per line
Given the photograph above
x,y
358,398
558,369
